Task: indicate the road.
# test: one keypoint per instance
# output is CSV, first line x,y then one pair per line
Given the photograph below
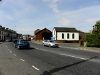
x,y
40,60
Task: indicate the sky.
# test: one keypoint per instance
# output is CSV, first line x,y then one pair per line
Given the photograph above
x,y
25,16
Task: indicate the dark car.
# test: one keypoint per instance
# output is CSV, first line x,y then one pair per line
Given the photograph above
x,y
15,40
22,44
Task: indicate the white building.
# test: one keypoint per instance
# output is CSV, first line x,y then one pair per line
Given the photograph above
x,y
65,34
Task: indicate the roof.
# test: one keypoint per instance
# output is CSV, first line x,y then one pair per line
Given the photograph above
x,y
42,30
65,29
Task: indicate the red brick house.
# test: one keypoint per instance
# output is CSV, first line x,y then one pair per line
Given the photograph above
x,y
43,34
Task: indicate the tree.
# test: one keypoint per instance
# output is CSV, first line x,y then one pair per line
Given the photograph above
x,y
96,28
93,40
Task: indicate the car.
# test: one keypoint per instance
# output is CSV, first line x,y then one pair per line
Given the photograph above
x,y
20,43
15,40
50,43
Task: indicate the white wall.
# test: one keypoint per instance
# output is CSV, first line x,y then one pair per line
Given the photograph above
x,y
54,34
76,36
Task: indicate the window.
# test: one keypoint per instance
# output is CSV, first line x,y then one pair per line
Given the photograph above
x,y
73,36
68,36
62,35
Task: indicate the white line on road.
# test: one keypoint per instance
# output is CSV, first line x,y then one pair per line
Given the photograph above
x,y
14,54
22,59
35,67
73,56
63,54
10,51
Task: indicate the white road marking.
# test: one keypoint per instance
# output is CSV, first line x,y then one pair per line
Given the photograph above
x,y
22,59
35,67
73,56
10,51
14,54
64,54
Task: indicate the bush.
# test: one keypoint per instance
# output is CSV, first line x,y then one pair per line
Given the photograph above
x,y
93,40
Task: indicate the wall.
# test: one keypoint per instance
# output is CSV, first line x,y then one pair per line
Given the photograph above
x,y
54,34
59,36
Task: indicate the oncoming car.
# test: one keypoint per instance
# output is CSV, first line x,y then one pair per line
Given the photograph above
x,y
50,43
22,44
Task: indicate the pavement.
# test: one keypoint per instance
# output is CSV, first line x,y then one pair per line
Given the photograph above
x,y
74,46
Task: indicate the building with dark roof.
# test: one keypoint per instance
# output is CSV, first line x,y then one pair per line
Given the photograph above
x,y
65,34
43,34
65,29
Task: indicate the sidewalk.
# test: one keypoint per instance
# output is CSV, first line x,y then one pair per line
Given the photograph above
x,y
75,46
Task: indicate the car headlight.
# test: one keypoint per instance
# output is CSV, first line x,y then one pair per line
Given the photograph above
x,y
52,44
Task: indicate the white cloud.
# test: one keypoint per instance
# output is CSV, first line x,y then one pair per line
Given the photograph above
x,y
17,15
64,21
53,4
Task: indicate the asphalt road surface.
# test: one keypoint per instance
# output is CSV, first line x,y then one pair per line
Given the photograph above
x,y
54,61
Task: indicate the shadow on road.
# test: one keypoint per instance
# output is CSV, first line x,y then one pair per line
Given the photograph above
x,y
31,48
66,66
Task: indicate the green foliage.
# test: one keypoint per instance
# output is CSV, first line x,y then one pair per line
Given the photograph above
x,y
96,29
93,40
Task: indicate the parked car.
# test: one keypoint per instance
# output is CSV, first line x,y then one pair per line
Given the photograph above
x,y
50,43
20,43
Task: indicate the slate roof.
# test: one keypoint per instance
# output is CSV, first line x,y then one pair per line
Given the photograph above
x,y
65,29
42,30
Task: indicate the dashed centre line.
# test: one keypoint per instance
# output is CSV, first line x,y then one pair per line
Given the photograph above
x,y
10,51
14,54
35,67
22,59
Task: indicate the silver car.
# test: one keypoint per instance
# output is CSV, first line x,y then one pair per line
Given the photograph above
x,y
50,43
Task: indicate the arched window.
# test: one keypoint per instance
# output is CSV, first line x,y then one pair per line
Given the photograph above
x,y
73,36
62,35
68,36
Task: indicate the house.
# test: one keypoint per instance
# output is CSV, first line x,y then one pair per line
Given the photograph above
x,y
43,34
6,33
64,34
2,34
26,37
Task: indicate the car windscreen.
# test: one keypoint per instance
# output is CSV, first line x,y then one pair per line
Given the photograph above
x,y
52,41
24,41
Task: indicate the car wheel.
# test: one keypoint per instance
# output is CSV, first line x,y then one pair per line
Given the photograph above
x,y
43,44
49,45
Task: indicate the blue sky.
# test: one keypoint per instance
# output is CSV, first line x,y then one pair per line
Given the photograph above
x,y
25,16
